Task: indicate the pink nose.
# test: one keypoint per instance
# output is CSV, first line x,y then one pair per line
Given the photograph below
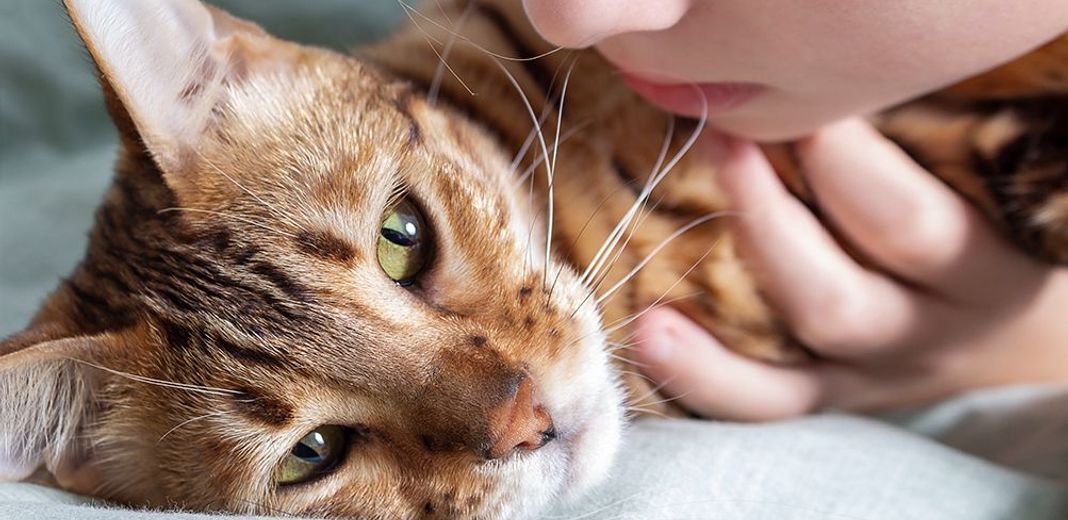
x,y
519,424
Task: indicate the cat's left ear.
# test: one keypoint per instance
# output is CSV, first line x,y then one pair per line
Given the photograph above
x,y
168,63
49,381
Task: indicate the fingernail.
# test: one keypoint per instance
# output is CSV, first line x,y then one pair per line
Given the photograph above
x,y
658,347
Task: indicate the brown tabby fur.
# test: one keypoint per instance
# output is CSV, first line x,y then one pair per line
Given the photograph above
x,y
244,272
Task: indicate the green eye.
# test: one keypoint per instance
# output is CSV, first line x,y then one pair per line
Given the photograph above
x,y
403,244
315,454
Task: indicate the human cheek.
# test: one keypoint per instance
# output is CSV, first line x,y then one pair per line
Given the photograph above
x,y
581,23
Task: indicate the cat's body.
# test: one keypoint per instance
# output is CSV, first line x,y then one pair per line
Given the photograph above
x,y
232,299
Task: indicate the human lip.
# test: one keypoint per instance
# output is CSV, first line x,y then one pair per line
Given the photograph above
x,y
693,99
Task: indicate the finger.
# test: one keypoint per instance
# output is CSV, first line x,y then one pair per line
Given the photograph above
x,y
897,213
710,380
831,303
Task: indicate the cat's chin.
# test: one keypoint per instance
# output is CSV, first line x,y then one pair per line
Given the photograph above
x,y
591,446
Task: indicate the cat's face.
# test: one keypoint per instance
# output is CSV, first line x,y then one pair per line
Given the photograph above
x,y
330,299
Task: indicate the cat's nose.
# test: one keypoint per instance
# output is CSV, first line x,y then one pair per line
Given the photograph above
x,y
520,423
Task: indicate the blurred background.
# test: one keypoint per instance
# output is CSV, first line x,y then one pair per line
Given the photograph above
x,y
57,145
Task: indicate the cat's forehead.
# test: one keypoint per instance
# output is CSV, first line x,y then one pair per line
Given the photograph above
x,y
342,132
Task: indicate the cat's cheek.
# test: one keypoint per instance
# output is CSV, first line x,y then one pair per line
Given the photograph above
x,y
592,420
13,469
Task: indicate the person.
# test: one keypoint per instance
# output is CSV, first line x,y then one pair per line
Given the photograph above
x,y
943,303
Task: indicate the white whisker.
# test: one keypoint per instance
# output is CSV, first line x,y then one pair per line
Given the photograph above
x,y
410,8
190,421
282,217
207,390
550,170
648,258
534,118
435,84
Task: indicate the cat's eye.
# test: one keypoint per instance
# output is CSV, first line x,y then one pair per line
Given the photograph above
x,y
315,454
403,243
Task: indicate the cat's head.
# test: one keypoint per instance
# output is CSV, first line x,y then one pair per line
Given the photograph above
x,y
309,291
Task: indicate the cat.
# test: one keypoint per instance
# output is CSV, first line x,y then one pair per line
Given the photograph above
x,y
345,286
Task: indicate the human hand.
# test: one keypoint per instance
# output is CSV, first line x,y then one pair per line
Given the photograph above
x,y
941,303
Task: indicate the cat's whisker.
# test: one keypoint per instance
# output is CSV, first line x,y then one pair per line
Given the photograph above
x,y
642,216
282,217
441,9
550,171
435,84
546,111
659,303
232,217
615,236
664,147
571,132
408,7
661,157
537,127
654,180
409,10
667,400
638,375
640,201
528,256
656,250
589,220
594,285
605,507
591,269
522,153
628,319
200,389
646,411
186,422
259,507
626,344
652,391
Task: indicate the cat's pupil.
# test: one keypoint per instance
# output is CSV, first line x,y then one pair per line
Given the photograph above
x,y
399,238
315,454
307,453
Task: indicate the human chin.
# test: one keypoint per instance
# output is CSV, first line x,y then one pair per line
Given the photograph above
x,y
776,118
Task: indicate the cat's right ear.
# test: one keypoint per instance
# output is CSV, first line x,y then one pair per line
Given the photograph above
x,y
167,64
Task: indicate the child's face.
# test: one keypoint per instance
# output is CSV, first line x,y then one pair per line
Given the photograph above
x,y
777,69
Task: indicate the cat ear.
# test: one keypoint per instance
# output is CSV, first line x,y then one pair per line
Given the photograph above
x,y
46,397
168,64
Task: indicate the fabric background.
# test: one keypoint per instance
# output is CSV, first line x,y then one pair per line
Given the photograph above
x,y
56,151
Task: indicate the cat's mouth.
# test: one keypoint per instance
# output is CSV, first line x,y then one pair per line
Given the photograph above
x,y
588,438
590,448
